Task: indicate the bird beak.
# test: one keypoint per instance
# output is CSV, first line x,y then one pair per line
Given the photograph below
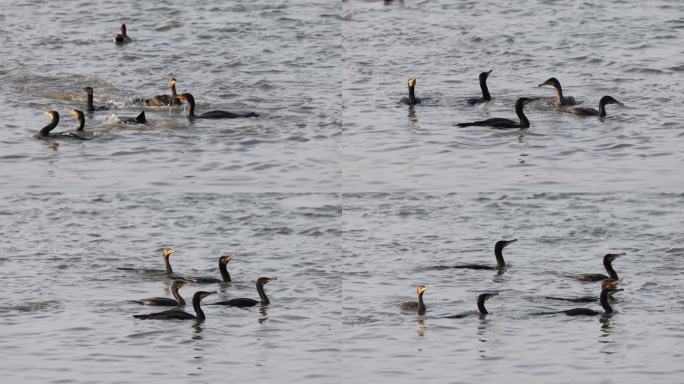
x,y
511,241
490,71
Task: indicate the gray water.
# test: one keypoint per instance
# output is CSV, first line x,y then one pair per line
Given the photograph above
x,y
345,195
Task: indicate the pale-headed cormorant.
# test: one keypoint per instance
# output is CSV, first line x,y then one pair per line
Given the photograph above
x,y
163,100
560,100
419,305
411,99
166,253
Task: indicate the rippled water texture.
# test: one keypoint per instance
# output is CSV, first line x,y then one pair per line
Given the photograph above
x,y
65,313
391,240
632,51
280,59
345,195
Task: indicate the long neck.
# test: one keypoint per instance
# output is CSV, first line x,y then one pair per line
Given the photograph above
x,y
498,252
197,308
559,93
224,271
602,109
167,266
262,294
480,305
412,96
178,297
89,104
45,131
524,123
191,112
174,95
604,301
609,268
485,90
421,304
81,123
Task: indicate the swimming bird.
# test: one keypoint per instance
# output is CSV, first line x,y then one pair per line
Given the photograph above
x,y
498,254
485,91
166,253
480,307
164,301
246,302
585,111
140,119
46,132
162,100
223,261
607,287
501,123
186,97
178,314
80,132
608,264
122,37
411,99
584,299
418,306
89,104
560,99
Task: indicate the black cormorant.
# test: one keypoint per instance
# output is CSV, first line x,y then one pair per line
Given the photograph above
x,y
501,123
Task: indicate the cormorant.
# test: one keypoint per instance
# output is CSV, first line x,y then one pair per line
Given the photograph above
x,y
485,91
480,306
212,114
162,100
608,264
166,253
560,100
178,314
246,302
140,119
498,253
223,261
411,99
584,299
46,132
418,306
89,104
501,123
164,301
585,111
607,287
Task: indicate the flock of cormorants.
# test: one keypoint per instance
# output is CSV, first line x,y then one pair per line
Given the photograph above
x,y
157,101
608,287
179,281
562,102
